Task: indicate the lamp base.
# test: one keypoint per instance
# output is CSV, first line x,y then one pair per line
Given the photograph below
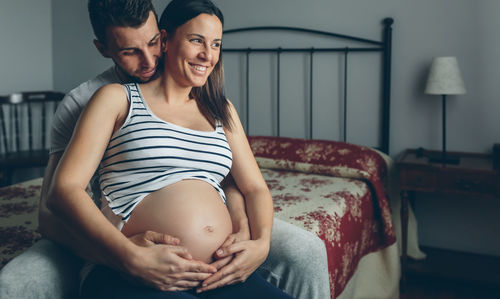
x,y
448,159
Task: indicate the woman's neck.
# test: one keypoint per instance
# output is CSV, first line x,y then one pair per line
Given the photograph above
x,y
166,87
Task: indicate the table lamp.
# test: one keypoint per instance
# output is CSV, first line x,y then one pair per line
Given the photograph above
x,y
444,79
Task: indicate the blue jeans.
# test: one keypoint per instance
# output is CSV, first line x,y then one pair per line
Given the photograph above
x,y
104,282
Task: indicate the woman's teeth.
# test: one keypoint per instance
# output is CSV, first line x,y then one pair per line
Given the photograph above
x,y
200,68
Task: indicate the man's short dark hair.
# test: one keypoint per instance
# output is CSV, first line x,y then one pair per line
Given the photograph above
x,y
122,13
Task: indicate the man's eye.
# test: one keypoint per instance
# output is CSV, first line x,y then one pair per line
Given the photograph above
x,y
217,45
196,40
128,53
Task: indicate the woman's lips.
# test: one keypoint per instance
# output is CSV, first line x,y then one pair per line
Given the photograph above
x,y
199,68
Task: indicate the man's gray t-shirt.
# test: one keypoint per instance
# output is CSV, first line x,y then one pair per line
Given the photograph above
x,y
70,108
68,112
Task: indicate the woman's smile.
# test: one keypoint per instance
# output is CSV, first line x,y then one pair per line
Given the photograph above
x,y
194,50
201,69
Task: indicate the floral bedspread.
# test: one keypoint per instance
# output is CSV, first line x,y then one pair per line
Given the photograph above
x,y
18,218
333,189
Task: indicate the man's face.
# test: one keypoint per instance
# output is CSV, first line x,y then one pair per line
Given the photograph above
x,y
135,51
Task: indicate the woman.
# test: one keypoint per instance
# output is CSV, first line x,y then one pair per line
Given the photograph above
x,y
163,149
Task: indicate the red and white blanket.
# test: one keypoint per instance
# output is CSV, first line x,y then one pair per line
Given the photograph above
x,y
335,190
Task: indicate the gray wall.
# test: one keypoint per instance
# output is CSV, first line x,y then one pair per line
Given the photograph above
x,y
422,29
26,45
75,57
26,52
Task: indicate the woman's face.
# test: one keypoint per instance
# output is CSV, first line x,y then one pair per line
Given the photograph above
x,y
193,51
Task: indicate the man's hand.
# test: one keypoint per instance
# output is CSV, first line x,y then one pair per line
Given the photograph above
x,y
242,235
150,238
237,261
167,267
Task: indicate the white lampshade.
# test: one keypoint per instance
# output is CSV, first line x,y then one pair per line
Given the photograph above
x,y
445,77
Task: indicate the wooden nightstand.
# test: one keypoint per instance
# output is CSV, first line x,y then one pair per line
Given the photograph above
x,y
473,175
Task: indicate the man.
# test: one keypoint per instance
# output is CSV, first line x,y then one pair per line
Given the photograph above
x,y
127,32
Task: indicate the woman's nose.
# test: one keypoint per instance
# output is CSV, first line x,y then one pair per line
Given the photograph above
x,y
206,53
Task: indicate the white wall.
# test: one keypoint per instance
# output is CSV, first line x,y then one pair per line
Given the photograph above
x,y
26,46
422,29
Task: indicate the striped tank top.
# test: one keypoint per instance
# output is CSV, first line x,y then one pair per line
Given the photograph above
x,y
148,153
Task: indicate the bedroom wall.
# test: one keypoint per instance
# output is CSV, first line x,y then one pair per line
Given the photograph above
x,y
422,29
26,51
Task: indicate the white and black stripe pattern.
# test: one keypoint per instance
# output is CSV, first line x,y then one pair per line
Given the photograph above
x,y
147,154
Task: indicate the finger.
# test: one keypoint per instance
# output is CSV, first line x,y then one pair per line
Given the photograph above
x,y
218,264
159,238
182,285
169,240
222,274
174,289
230,250
181,252
199,267
228,280
194,277
229,240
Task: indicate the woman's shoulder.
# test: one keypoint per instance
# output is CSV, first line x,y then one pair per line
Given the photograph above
x,y
111,97
110,93
113,88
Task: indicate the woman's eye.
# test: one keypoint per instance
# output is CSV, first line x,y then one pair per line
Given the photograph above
x,y
216,45
196,40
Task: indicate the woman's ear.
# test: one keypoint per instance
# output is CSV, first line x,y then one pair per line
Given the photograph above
x,y
163,38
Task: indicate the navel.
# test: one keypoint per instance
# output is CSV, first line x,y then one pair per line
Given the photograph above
x,y
209,229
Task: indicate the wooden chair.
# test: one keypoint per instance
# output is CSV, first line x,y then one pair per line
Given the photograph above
x,y
25,120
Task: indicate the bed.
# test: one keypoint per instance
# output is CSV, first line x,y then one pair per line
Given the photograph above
x,y
322,175
323,178
337,191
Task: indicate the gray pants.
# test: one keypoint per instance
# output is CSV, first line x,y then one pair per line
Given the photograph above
x,y
297,264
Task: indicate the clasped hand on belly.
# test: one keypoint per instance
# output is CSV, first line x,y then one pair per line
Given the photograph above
x,y
191,210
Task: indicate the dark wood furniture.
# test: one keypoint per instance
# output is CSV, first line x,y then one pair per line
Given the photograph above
x,y
452,274
473,175
24,126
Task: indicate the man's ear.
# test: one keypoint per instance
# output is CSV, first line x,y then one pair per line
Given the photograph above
x,y
163,38
101,48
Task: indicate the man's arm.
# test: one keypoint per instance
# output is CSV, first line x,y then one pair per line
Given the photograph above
x,y
236,206
53,228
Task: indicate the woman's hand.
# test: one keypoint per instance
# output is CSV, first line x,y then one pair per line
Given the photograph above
x,y
242,259
178,259
167,267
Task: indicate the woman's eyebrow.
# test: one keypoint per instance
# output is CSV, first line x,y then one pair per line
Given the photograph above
x,y
202,37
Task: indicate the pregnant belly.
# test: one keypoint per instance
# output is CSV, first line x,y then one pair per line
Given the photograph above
x,y
191,210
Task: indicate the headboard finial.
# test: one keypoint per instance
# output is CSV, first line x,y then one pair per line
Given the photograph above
x,y
388,21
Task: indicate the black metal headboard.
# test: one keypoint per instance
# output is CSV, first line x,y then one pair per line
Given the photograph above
x,y
383,47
